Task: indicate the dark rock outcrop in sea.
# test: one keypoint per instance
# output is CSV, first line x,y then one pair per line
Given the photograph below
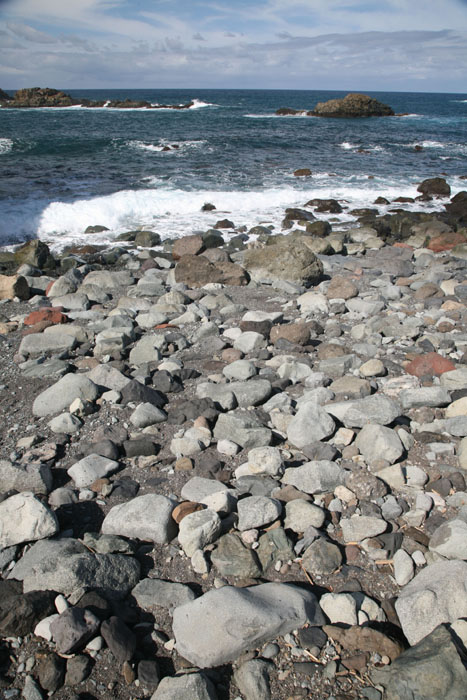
x,y
49,97
352,105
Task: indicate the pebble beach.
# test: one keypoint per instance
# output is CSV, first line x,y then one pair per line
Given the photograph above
x,y
233,463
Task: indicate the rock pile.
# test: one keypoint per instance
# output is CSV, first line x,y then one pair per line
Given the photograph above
x,y
351,106
240,474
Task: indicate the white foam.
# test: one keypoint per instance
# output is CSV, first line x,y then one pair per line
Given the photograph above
x,y
162,145
300,115
5,145
347,146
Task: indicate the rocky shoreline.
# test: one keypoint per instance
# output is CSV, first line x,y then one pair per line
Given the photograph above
x,y
237,469
49,97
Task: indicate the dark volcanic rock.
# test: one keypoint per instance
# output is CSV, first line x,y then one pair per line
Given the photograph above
x,y
353,105
19,613
434,186
41,97
197,270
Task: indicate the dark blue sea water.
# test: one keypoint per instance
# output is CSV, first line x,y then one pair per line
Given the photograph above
x,y
64,169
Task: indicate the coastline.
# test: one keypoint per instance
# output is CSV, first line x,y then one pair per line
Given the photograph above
x,y
214,381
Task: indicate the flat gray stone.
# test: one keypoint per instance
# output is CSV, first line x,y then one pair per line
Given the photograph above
x,y
41,368
455,379
425,396
87,470
240,370
108,377
360,527
41,344
377,409
234,620
36,478
24,518
192,686
378,442
432,668
66,565
437,594
60,395
310,423
153,592
65,424
243,428
199,487
321,476
147,517
251,393
257,511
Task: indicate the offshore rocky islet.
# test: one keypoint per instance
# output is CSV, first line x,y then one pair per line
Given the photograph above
x,y
303,430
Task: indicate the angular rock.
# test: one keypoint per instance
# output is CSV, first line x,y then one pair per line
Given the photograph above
x,y
236,619
87,470
430,364
73,628
364,639
65,565
310,423
257,511
321,476
198,529
196,271
376,409
153,592
359,527
120,640
378,442
36,478
233,558
450,540
147,518
14,286
433,668
24,518
321,558
290,260
192,685
252,679
243,428
437,594
60,395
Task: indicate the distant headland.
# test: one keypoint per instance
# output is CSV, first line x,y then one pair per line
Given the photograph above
x,y
49,97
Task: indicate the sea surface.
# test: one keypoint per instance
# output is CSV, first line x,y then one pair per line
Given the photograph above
x,y
63,169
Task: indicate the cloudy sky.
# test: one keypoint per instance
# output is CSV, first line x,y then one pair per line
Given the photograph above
x,y
415,45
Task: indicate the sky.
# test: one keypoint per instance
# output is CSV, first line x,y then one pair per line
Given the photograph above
x,y
379,45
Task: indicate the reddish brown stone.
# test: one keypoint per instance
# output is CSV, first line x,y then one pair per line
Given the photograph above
x,y
302,172
188,245
298,333
231,355
184,464
430,364
364,639
185,508
196,271
446,241
52,316
400,244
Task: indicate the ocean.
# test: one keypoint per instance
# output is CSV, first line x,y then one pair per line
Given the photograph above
x,y
63,169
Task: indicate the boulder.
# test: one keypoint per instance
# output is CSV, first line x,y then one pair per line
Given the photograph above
x,y
24,518
352,105
234,620
434,186
145,517
12,286
35,253
197,270
289,260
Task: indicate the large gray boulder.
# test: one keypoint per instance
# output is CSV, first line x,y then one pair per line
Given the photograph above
x,y
223,623
437,594
433,668
289,260
60,395
65,565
